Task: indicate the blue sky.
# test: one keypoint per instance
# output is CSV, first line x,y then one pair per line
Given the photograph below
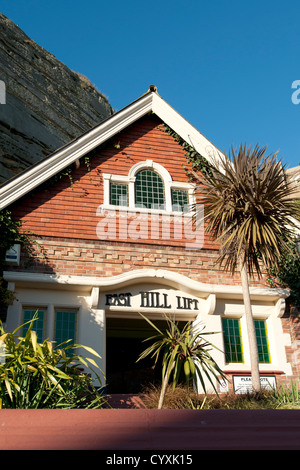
x,y
225,66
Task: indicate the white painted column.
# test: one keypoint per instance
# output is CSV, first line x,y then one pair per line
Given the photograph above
x,y
207,322
50,321
14,316
92,332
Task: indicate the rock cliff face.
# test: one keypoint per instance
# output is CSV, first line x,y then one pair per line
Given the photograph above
x,y
46,104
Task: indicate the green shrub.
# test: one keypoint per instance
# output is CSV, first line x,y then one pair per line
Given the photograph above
x,y
39,375
288,396
284,397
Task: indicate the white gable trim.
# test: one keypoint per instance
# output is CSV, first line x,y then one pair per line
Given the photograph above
x,y
183,128
62,158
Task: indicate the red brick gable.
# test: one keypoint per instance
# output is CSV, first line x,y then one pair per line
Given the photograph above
x,y
68,208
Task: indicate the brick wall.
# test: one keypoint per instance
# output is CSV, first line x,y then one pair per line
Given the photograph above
x,y
88,258
68,208
291,326
64,216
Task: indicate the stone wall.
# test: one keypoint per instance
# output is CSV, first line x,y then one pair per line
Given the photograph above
x,y
47,104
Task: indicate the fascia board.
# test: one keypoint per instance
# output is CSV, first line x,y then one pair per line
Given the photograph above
x,y
170,278
61,159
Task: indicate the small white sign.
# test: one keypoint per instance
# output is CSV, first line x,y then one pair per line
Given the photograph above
x,y
224,386
12,256
243,383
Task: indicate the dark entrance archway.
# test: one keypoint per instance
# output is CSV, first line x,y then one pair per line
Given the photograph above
x,y
124,343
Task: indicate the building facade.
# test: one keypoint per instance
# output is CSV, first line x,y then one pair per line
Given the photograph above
x,y
119,233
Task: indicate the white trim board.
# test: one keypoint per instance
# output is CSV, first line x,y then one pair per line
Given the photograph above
x,y
65,156
159,276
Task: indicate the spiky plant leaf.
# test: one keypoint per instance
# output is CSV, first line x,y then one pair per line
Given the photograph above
x,y
250,208
185,349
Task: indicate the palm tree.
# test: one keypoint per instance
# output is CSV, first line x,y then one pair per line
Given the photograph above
x,y
249,211
182,349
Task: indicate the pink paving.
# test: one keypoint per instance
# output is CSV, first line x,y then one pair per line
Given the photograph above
x,y
126,401
143,429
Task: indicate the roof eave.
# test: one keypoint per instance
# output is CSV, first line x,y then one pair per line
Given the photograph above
x,y
28,180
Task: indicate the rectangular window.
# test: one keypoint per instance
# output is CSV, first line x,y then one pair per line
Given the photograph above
x,y
65,327
118,194
232,340
180,200
262,341
38,324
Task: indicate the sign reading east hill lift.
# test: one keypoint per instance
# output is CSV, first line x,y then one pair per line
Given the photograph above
x,y
151,299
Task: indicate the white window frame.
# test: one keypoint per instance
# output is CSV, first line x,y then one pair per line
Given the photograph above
x,y
130,182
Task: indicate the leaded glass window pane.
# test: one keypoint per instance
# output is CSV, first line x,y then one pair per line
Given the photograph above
x,y
149,190
262,341
38,324
118,194
65,327
232,340
180,200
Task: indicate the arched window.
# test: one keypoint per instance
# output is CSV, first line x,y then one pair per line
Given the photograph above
x,y
149,190
148,186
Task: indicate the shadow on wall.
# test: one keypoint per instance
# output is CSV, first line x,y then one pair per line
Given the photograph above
x,y
34,259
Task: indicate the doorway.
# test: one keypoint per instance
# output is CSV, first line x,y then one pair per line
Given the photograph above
x,y
124,344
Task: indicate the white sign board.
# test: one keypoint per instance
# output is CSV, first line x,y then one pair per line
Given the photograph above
x,y
243,383
12,255
224,386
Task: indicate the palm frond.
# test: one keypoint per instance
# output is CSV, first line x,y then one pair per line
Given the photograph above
x,y
250,208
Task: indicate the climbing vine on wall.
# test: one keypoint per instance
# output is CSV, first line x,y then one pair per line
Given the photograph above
x,y
67,172
198,163
11,232
287,275
85,160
